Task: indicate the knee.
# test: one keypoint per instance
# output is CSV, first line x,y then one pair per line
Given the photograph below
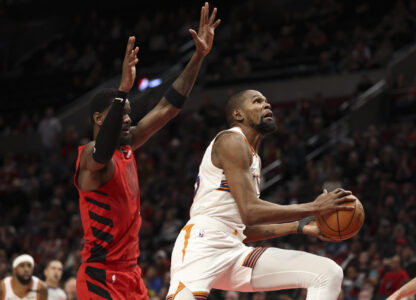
x,y
336,274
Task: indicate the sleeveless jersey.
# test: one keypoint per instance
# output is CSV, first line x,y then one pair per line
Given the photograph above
x,y
111,214
212,196
9,293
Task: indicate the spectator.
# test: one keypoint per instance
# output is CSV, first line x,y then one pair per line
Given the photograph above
x,y
393,278
50,130
70,288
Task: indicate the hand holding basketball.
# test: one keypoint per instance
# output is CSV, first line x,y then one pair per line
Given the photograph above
x,y
342,224
312,229
336,200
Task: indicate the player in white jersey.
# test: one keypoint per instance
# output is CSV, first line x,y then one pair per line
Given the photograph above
x,y
22,285
227,211
53,275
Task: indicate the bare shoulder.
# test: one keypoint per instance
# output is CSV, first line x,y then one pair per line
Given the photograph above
x,y
86,153
230,146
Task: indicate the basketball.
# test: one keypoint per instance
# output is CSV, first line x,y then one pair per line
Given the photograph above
x,y
342,225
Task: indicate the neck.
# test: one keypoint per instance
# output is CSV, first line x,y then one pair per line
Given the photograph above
x,y
19,287
253,137
51,283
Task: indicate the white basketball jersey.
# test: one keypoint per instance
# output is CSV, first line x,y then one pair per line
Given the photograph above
x,y
212,196
9,294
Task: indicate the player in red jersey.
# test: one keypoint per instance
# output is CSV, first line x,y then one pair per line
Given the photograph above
x,y
106,175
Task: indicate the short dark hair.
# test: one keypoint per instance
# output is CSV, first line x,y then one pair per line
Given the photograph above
x,y
51,261
233,103
101,101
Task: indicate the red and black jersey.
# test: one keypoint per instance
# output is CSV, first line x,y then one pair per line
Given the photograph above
x,y
111,214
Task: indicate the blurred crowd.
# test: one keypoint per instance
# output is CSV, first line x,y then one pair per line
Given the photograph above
x,y
262,38
39,209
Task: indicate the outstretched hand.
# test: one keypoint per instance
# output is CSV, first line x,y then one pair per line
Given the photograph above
x,y
205,36
129,66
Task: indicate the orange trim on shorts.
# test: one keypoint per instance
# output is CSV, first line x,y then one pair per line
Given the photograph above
x,y
252,257
200,295
3,288
180,288
39,286
188,229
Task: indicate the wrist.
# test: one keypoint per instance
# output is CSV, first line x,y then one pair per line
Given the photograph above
x,y
296,227
303,223
311,209
121,96
200,56
124,89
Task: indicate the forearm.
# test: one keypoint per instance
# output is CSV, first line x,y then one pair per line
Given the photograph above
x,y
107,138
186,80
264,212
265,232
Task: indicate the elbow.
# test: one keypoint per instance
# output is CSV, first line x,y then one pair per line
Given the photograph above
x,y
174,112
248,217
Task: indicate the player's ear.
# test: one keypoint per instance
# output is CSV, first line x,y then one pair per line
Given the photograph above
x,y
98,118
237,115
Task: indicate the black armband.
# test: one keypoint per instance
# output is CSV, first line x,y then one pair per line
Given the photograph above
x,y
109,134
304,222
121,95
174,97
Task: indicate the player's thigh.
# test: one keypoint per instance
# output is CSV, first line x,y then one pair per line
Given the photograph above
x,y
201,257
280,268
237,276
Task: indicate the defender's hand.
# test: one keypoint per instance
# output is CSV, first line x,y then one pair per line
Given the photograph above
x,y
329,202
205,36
129,66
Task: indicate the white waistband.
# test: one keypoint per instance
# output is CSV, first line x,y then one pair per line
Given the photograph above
x,y
219,225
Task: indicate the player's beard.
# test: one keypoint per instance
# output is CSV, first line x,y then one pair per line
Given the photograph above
x,y
23,280
125,140
265,126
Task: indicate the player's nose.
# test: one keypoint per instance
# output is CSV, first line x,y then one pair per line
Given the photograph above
x,y
127,119
267,105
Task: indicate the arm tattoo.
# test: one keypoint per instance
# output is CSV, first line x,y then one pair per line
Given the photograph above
x,y
268,233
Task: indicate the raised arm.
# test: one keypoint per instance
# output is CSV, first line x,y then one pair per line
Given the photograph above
x,y
232,154
171,103
96,164
406,290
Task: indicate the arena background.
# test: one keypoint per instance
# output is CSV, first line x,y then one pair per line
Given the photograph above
x,y
339,74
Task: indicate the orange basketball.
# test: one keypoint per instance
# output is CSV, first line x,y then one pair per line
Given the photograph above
x,y
342,225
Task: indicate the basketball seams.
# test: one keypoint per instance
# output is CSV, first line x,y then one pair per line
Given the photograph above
x,y
351,221
352,217
326,223
339,229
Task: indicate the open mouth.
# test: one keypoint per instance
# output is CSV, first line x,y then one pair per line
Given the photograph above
x,y
268,115
125,131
